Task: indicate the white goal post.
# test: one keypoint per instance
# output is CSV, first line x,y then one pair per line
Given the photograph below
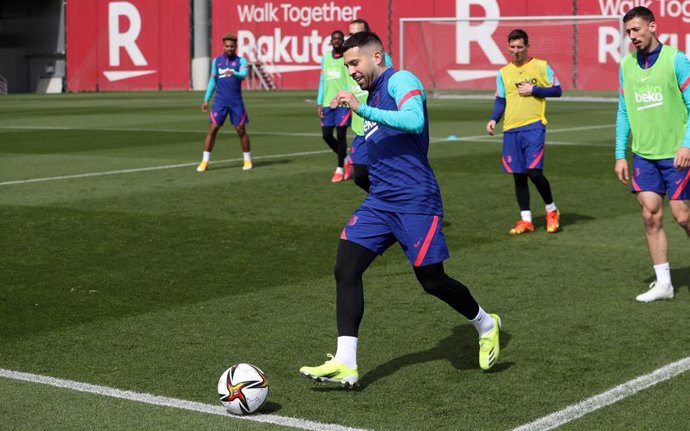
x,y
463,53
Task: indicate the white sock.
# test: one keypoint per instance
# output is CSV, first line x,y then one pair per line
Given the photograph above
x,y
247,156
207,156
483,322
347,351
526,216
663,274
551,207
339,170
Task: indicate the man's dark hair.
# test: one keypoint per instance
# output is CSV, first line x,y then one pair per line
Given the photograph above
x,y
363,22
639,12
363,38
518,34
230,36
338,33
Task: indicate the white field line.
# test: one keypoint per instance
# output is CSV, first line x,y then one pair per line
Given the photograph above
x,y
609,397
170,402
478,138
119,129
153,168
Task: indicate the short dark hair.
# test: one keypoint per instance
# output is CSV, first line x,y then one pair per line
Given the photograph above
x,y
363,38
518,33
363,22
639,12
338,32
229,36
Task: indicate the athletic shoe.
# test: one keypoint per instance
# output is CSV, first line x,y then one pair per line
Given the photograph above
x,y
331,372
656,291
337,177
347,167
247,165
522,227
553,219
203,167
489,346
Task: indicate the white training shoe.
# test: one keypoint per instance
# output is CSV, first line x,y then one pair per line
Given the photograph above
x,y
656,291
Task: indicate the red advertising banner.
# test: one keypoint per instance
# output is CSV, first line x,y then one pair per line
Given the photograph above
x,y
127,45
584,53
290,38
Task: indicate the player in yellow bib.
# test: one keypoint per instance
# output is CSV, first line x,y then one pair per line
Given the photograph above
x,y
522,87
653,105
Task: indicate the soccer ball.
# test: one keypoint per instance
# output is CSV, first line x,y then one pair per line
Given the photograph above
x,y
243,389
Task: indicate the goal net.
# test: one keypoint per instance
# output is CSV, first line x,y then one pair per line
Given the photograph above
x,y
454,54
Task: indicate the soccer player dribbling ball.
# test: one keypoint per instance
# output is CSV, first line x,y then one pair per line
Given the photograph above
x,y
404,206
653,105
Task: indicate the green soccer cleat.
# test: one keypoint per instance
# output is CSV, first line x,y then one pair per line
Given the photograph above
x,y
489,346
331,372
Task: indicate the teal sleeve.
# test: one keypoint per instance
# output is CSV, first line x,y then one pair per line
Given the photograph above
x,y
322,87
553,79
244,69
681,65
622,122
211,83
500,87
387,58
408,93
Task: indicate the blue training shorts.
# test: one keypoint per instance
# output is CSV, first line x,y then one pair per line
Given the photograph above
x,y
338,117
358,151
661,177
419,235
238,116
524,149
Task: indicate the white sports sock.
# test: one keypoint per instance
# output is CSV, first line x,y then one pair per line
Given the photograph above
x,y
483,322
247,156
551,207
347,351
207,156
526,216
339,170
663,274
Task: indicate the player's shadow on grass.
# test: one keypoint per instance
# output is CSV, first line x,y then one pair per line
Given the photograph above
x,y
568,219
460,348
257,165
680,278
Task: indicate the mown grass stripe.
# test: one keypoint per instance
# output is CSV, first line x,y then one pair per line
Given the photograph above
x,y
607,398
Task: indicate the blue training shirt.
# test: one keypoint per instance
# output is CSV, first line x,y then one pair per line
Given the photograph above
x,y
396,130
681,66
228,85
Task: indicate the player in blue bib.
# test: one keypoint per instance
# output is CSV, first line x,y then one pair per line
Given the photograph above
x,y
227,72
404,206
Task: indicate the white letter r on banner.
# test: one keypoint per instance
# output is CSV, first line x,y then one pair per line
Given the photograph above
x,y
126,40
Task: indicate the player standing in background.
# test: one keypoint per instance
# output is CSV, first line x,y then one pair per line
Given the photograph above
x,y
227,72
404,205
334,79
358,148
522,87
653,104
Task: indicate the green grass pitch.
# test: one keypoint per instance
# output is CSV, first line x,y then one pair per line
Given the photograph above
x,y
122,266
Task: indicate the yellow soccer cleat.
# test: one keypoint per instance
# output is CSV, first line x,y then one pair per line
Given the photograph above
x,y
248,165
553,221
331,372
489,346
203,167
522,227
